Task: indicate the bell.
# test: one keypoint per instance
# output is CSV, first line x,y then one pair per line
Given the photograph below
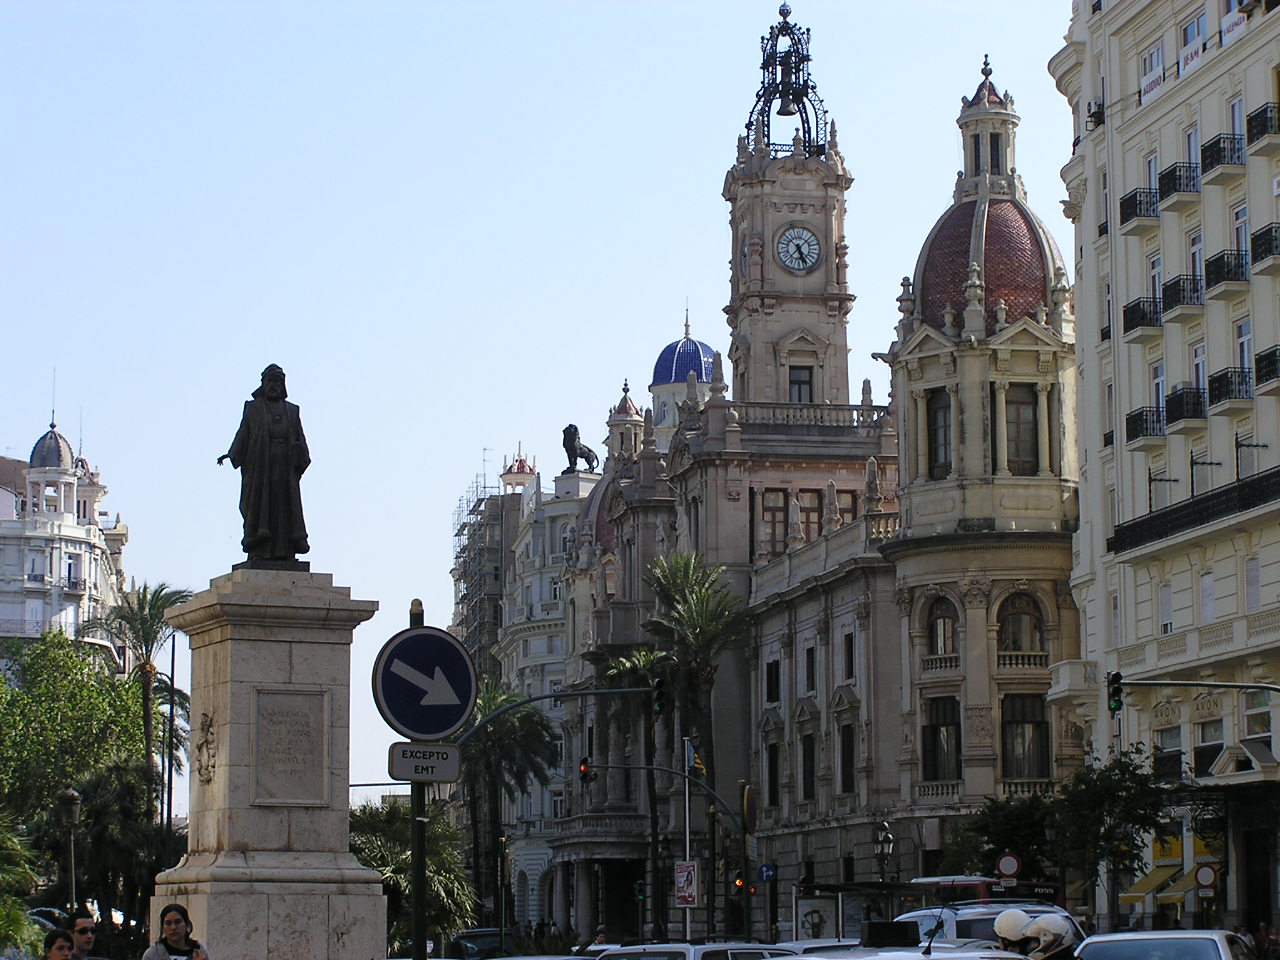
x,y
787,108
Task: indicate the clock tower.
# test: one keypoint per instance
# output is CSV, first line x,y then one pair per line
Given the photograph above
x,y
790,300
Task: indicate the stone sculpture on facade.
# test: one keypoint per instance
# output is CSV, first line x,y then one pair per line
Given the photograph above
x,y
574,448
271,453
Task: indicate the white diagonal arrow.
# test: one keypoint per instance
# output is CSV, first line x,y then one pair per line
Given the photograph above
x,y
436,691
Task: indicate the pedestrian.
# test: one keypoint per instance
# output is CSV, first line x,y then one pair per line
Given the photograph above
x,y
57,945
175,936
84,929
555,929
540,931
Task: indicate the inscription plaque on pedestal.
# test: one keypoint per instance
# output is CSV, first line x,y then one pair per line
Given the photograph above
x,y
290,747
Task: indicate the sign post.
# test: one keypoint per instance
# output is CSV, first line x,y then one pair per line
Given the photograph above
x,y
424,685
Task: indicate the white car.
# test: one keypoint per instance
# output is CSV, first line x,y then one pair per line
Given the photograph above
x,y
975,920
1166,945
698,951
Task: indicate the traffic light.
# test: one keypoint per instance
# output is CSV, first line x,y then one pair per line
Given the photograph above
x,y
803,888
1115,692
738,882
659,696
639,891
585,773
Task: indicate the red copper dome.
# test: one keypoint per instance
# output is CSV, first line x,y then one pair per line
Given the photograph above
x,y
1007,241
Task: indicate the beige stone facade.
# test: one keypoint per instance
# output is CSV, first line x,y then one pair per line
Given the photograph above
x,y
1171,189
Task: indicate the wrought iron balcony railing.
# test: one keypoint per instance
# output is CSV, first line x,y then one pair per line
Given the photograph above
x,y
1264,120
1225,148
1183,291
1265,242
1142,202
1143,312
1144,422
1185,403
1205,508
1266,365
1226,266
1232,383
1178,178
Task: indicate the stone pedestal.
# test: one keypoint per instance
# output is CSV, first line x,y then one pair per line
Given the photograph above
x,y
268,873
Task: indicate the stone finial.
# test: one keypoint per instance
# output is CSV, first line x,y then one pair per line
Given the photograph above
x,y
873,498
831,514
833,145
795,533
1002,313
691,387
948,316
1042,315
797,144
718,386
866,391
906,300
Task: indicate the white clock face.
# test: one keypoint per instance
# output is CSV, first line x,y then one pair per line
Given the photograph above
x,y
798,249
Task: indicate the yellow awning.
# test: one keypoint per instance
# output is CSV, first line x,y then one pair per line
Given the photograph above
x,y
1178,890
1155,878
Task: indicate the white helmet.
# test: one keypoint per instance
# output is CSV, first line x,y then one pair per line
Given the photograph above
x,y
1011,924
1052,933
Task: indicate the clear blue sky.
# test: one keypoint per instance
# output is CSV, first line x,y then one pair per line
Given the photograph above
x,y
457,226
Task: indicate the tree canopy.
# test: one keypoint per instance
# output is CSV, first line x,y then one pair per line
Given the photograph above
x,y
62,713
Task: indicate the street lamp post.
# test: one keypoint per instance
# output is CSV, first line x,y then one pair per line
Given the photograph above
x,y
69,814
884,850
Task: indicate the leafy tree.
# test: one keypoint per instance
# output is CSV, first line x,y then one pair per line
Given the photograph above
x,y
16,880
61,714
137,623
502,759
1014,824
381,837
640,669
1105,811
698,618
119,850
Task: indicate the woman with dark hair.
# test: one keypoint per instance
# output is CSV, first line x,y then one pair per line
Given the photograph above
x,y
57,945
175,936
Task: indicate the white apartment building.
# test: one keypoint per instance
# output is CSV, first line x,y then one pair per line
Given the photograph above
x,y
1174,189
60,554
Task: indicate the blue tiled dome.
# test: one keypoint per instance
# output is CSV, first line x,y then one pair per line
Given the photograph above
x,y
678,358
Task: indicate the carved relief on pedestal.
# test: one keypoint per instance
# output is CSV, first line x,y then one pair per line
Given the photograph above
x,y
206,750
902,597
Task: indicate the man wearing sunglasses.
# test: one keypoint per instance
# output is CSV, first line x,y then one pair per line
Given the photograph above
x,y
83,931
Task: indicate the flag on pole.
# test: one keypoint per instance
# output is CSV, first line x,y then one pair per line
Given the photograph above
x,y
692,760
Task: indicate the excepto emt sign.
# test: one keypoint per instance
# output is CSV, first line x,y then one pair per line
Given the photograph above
x,y
424,762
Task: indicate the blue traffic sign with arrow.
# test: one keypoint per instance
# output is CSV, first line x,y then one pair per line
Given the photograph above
x,y
424,683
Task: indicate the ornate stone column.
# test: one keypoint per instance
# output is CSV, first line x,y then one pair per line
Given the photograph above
x,y
1002,431
953,391
1042,428
921,398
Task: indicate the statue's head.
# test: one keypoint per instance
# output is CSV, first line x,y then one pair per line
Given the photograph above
x,y
571,431
273,387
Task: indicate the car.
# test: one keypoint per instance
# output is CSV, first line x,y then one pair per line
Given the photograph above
x,y
1166,945
698,951
481,942
952,950
975,919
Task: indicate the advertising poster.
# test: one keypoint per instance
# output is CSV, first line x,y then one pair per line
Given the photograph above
x,y
688,889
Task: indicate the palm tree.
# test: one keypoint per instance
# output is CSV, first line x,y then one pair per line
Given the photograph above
x,y
137,623
506,754
381,838
641,669
698,617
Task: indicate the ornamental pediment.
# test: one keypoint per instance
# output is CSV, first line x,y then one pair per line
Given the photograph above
x,y
805,710
1027,334
771,720
844,699
927,339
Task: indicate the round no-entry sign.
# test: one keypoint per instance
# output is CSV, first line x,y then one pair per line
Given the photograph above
x,y
1008,865
424,683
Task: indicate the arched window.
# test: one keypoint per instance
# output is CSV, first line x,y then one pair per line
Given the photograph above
x,y
942,627
1021,626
